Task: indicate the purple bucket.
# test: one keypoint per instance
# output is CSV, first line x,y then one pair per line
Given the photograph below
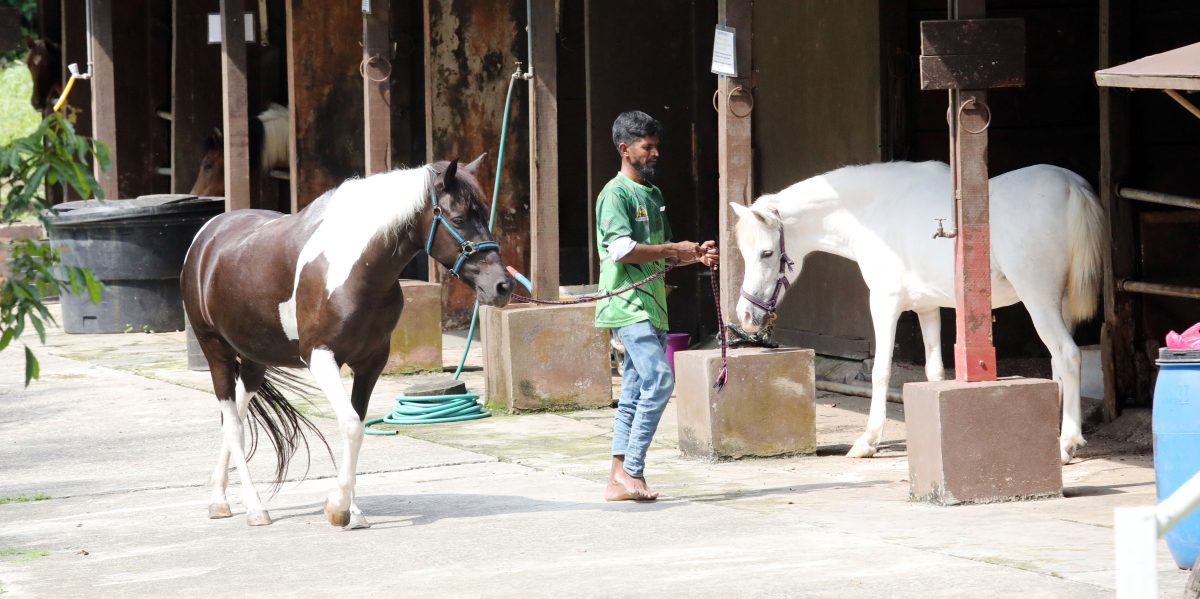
x,y
676,342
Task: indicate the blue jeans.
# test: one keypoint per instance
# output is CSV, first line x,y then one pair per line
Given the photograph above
x,y
645,389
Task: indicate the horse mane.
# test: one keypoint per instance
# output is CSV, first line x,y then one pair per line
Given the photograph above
x,y
389,201
274,152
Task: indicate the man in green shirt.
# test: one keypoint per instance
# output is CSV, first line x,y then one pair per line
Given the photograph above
x,y
633,239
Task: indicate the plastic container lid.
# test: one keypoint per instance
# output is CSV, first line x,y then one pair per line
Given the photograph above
x,y
1178,356
90,211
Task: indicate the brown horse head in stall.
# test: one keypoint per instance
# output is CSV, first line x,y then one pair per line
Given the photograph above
x,y
44,61
268,148
317,290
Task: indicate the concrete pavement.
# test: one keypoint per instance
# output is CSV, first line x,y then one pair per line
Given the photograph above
x,y
122,439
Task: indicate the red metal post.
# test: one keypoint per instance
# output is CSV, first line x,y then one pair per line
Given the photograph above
x,y
974,354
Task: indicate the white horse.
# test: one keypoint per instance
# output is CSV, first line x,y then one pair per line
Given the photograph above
x,y
1047,234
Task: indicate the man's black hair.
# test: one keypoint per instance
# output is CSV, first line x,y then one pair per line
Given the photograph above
x,y
632,126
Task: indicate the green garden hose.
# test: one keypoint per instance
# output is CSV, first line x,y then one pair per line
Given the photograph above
x,y
430,409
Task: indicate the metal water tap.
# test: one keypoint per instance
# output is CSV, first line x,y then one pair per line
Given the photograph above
x,y
942,232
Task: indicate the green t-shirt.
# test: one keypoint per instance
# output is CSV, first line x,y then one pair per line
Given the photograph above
x,y
628,209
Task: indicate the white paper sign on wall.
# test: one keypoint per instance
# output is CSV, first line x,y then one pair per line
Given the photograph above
x,y
214,27
724,58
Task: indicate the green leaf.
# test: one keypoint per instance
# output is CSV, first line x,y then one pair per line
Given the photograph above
x,y
93,286
31,366
37,324
6,338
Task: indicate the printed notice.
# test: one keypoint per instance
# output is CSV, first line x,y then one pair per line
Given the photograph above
x,y
724,60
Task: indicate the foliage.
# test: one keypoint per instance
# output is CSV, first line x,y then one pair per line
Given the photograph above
x,y
52,154
24,498
15,88
28,11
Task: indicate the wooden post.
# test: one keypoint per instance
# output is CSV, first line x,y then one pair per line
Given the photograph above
x,y
543,139
734,159
234,105
967,54
435,270
377,71
104,93
1117,335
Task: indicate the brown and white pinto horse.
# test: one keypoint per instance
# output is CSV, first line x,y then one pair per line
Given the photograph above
x,y
268,148
316,290
44,62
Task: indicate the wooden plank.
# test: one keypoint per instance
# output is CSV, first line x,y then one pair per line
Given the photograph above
x,y
734,153
196,107
326,93
377,71
436,273
142,80
1147,82
464,110
543,140
235,112
592,188
1120,310
972,71
104,94
973,37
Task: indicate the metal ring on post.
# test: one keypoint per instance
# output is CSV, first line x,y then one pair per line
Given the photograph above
x,y
987,121
362,68
729,97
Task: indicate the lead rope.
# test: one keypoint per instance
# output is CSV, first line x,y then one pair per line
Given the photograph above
x,y
722,374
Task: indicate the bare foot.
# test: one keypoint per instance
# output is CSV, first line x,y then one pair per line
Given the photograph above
x,y
623,487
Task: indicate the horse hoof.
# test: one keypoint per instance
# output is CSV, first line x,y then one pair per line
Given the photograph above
x,y
258,518
357,521
337,517
1067,450
219,510
861,450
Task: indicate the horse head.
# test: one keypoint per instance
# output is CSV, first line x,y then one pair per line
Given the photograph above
x,y
760,239
457,235
210,181
44,61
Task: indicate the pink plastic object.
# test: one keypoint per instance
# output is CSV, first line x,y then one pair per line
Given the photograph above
x,y
676,342
1189,339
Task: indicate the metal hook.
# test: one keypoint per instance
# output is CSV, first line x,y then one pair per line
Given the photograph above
x,y
729,97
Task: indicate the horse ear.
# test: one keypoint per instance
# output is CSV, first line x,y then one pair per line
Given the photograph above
x,y
447,177
29,42
217,136
471,168
740,210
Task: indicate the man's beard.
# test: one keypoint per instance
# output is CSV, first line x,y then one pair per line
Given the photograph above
x,y
646,171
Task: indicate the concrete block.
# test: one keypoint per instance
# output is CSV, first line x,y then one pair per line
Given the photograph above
x,y
417,338
13,232
545,358
983,442
766,408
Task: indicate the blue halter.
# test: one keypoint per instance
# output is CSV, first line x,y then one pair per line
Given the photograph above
x,y
467,248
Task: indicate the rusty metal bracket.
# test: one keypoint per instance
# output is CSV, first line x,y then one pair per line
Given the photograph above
x,y
362,68
969,105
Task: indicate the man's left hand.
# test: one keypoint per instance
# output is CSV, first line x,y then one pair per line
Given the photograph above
x,y
708,253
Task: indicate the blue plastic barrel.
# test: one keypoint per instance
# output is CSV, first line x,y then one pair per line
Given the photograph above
x,y
1177,441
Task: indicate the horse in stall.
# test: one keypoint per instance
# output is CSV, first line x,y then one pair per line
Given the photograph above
x,y
1047,235
44,61
318,289
268,147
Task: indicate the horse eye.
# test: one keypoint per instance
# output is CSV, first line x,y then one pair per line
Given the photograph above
x,y
768,254
458,221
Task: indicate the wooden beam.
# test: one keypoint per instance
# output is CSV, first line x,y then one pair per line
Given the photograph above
x,y
435,269
974,354
235,112
593,255
1119,331
734,153
543,139
104,94
377,71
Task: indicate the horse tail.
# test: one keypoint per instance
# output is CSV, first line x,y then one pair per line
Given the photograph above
x,y
284,425
274,122
1086,242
